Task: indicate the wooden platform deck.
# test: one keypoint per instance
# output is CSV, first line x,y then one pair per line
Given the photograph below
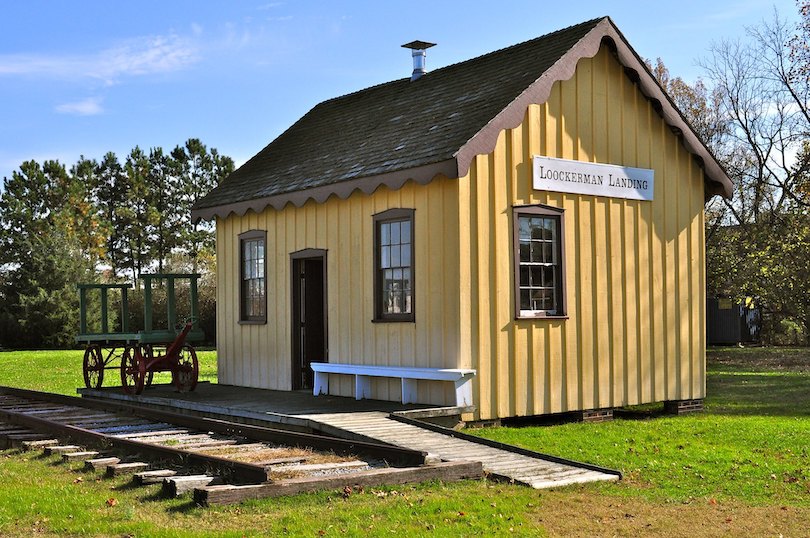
x,y
368,420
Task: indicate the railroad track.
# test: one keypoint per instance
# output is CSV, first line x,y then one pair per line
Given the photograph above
x,y
220,461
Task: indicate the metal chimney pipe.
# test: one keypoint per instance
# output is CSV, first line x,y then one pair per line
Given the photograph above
x,y
418,49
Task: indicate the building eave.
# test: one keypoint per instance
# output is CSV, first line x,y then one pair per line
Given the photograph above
x,y
393,180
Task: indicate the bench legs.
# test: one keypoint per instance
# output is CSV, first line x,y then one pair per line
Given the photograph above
x,y
464,391
408,390
320,384
362,387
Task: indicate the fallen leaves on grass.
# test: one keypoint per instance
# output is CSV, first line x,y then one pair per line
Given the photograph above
x,y
112,501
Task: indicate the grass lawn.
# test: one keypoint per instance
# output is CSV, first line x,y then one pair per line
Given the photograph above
x,y
740,468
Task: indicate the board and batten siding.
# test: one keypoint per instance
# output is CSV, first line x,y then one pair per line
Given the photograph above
x,y
635,269
260,355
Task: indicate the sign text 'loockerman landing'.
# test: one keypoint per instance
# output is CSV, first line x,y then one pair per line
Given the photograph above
x,y
562,175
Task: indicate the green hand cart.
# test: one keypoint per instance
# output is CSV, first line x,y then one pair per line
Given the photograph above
x,y
144,352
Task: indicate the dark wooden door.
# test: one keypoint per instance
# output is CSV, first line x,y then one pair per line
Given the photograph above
x,y
309,318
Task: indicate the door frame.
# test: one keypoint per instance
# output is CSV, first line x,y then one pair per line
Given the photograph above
x,y
296,258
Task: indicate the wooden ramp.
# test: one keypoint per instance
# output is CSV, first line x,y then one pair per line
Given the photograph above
x,y
363,420
499,461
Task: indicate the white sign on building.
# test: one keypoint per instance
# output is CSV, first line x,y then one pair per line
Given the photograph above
x,y
578,177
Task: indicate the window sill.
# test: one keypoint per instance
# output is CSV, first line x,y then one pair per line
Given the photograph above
x,y
253,322
405,320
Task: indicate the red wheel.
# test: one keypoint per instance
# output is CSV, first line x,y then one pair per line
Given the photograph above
x,y
133,370
148,355
93,367
187,371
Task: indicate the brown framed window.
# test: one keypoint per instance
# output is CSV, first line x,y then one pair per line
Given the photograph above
x,y
253,277
539,261
393,265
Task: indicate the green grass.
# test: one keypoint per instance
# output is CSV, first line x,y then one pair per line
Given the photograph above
x,y
61,371
740,468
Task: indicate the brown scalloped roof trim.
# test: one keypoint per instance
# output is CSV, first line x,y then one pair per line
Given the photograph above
x,y
510,117
393,180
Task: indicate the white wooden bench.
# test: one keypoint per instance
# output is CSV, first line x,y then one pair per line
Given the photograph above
x,y
461,377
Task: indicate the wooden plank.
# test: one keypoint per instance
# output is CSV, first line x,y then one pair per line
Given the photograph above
x,y
152,477
145,436
16,440
100,463
443,471
316,467
278,461
82,455
32,445
178,485
126,468
61,449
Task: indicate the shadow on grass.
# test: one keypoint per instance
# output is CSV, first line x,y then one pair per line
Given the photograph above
x,y
758,393
183,507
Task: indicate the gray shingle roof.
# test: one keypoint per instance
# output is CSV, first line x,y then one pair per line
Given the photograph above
x,y
396,126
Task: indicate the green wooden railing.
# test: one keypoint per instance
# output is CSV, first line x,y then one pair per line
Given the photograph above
x,y
149,335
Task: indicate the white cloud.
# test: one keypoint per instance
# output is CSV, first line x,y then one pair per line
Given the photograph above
x,y
135,57
89,107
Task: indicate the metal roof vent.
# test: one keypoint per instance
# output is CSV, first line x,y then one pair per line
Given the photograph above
x,y
418,49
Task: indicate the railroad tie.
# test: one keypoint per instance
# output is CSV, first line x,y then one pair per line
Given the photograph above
x,y
100,463
17,440
152,477
119,469
61,449
74,456
178,485
33,445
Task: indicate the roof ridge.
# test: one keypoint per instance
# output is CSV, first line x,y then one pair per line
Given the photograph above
x,y
461,63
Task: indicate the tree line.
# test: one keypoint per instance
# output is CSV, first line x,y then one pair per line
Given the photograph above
x,y
752,110
107,220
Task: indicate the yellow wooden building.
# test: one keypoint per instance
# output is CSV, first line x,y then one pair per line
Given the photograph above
x,y
521,232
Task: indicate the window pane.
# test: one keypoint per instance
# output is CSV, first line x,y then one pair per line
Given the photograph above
x,y
406,279
385,233
524,300
537,251
548,249
548,277
385,257
523,228
536,276
537,228
525,249
395,256
405,231
524,275
395,233
405,254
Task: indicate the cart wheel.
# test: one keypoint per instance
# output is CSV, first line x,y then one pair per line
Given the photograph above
x,y
187,370
133,370
93,367
148,355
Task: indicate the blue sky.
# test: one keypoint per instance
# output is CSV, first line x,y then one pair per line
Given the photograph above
x,y
87,77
